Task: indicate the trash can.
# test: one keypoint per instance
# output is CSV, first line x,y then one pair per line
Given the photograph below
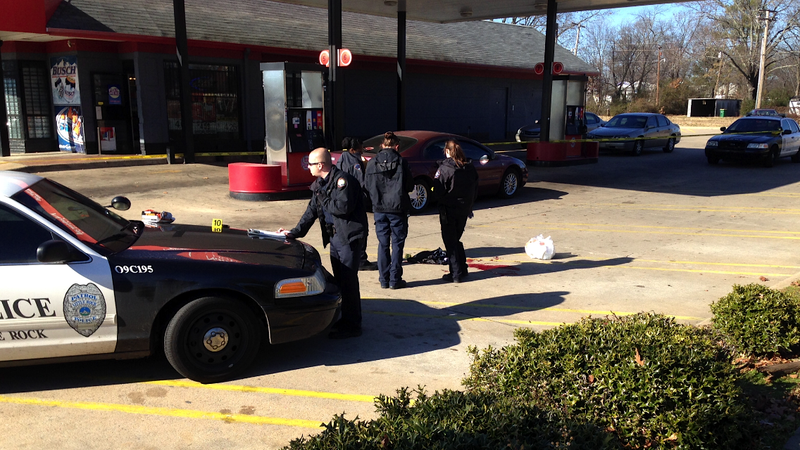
x,y
722,112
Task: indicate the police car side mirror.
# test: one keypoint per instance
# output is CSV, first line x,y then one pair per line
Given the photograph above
x,y
121,203
722,128
55,251
787,131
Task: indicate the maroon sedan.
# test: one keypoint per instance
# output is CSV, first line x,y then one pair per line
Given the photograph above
x,y
497,174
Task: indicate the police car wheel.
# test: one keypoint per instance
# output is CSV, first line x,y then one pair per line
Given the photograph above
x,y
212,339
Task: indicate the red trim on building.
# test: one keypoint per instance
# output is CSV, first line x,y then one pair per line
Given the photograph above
x,y
27,16
50,7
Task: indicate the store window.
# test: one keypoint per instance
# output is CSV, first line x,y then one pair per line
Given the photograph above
x,y
38,115
13,106
215,101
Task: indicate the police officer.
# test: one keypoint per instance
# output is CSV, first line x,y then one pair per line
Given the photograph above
x,y
458,181
388,180
337,202
353,163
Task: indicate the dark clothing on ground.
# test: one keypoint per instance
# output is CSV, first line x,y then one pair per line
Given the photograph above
x,y
388,181
457,185
337,203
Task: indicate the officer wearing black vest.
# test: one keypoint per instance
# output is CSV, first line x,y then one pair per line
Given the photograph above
x,y
337,202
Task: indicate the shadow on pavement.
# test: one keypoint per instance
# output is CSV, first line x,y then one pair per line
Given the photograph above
x,y
392,328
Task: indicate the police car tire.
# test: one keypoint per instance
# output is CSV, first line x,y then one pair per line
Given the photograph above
x,y
199,321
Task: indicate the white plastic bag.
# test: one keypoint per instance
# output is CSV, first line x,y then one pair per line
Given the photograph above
x,y
540,247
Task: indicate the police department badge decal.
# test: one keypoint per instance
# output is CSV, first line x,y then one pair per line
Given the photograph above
x,y
84,308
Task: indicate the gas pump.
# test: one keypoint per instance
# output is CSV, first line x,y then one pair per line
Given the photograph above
x,y
295,125
567,127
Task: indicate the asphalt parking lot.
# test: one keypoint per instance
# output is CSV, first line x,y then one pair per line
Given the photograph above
x,y
661,232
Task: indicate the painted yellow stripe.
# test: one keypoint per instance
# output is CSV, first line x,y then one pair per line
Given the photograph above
x,y
263,390
519,308
168,412
657,261
694,230
467,318
738,209
699,232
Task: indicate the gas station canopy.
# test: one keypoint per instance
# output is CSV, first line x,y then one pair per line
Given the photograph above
x,y
445,11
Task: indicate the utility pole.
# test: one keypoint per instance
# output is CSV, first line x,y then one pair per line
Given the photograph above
x,y
760,90
658,73
719,72
577,37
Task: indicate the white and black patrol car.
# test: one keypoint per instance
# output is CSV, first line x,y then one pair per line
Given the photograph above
x,y
81,282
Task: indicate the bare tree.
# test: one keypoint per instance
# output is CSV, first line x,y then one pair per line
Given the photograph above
x,y
739,28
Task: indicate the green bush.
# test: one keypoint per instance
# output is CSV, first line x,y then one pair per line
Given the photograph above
x,y
758,320
456,420
654,383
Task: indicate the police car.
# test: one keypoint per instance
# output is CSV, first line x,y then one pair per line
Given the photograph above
x,y
81,282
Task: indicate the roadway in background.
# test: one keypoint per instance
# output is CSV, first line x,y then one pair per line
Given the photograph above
x,y
666,233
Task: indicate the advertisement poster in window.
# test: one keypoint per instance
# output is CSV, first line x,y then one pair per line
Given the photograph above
x,y
64,80
69,123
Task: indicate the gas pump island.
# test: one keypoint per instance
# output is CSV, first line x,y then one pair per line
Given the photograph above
x,y
295,125
567,146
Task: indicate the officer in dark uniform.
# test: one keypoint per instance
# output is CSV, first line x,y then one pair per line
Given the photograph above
x,y
337,202
353,163
457,182
388,180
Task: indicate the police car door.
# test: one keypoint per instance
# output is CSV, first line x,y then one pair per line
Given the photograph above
x,y
791,141
50,310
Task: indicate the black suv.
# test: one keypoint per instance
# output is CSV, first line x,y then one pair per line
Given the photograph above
x,y
762,138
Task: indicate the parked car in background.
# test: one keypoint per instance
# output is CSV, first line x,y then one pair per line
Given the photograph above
x,y
80,282
531,132
633,132
497,174
764,112
760,138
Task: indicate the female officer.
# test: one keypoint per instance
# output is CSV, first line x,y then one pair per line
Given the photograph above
x,y
459,182
353,163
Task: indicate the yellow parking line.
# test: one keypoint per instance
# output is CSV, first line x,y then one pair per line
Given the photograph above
x,y
658,227
657,261
169,412
263,390
702,232
519,308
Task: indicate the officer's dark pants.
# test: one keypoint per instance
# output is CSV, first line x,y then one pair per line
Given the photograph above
x,y
391,230
364,258
453,223
345,262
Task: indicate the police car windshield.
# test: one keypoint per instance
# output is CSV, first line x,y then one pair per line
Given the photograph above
x,y
373,144
754,126
79,216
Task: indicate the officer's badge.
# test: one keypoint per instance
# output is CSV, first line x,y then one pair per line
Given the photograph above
x,y
437,174
341,183
357,167
84,308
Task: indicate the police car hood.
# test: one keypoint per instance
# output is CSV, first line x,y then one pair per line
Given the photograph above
x,y
765,136
196,242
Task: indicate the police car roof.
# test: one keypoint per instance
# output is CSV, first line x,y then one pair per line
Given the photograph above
x,y
13,182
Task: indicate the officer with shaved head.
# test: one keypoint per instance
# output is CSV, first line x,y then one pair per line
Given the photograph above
x,y
337,203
